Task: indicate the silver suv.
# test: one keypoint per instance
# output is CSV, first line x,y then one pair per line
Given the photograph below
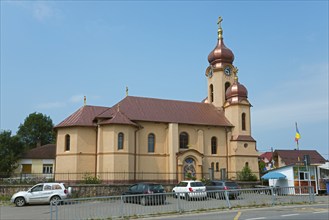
x,y
42,193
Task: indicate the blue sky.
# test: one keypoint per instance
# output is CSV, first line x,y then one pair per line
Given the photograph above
x,y
55,52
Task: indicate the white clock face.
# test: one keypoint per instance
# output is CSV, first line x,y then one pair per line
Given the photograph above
x,y
227,71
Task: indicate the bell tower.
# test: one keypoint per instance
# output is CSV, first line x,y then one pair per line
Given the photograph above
x,y
220,70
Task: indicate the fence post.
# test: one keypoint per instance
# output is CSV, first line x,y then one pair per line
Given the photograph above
x,y
179,208
51,211
121,207
273,196
311,194
227,198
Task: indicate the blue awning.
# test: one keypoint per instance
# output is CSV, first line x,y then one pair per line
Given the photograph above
x,y
274,175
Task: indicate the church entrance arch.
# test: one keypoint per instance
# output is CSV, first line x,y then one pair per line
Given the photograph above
x,y
189,164
189,168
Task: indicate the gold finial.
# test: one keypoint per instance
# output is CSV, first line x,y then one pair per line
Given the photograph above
x,y
220,30
84,100
126,90
235,73
118,107
235,70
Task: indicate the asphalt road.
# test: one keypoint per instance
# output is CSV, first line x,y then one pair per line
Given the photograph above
x,y
318,210
300,212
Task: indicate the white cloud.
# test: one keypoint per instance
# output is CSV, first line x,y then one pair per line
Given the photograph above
x,y
77,98
303,99
42,11
50,105
279,114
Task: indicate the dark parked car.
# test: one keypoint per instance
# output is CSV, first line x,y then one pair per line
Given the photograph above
x,y
145,194
218,188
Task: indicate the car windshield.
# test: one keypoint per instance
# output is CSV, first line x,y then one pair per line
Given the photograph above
x,y
156,187
218,183
231,184
196,184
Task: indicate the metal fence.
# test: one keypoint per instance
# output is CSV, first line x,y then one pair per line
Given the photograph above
x,y
112,207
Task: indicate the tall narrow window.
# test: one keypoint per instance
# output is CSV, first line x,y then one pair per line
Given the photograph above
x,y
213,166
227,85
213,145
211,88
217,167
67,142
183,140
151,143
120,141
243,121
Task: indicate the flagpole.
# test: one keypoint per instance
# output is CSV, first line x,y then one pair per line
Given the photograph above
x,y
297,136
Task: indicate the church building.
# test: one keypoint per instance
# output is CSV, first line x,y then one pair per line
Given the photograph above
x,y
150,139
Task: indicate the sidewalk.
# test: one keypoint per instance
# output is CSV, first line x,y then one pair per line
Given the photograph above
x,y
322,199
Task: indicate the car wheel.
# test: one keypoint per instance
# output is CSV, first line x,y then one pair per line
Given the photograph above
x,y
175,195
20,201
55,200
143,201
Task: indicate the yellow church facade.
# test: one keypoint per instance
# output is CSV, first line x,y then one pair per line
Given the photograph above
x,y
149,139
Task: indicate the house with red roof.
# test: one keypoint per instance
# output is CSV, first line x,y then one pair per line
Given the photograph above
x,y
141,138
267,159
301,168
39,161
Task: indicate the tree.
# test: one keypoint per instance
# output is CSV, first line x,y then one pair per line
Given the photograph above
x,y
246,174
11,148
37,130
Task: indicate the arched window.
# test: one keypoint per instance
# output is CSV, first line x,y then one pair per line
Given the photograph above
x,y
213,145
227,85
151,143
183,140
211,89
217,167
243,121
67,142
213,166
247,164
120,141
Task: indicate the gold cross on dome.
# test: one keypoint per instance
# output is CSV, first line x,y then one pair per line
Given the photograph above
x,y
219,22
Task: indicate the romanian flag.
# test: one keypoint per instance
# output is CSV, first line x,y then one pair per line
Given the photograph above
x,y
297,136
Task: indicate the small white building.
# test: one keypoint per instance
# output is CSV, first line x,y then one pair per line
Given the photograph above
x,y
323,176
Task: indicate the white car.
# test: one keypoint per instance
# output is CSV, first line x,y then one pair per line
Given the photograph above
x,y
42,193
190,189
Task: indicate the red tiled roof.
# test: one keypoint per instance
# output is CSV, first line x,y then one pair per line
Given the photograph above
x,y
84,116
168,111
267,155
47,151
244,138
118,118
291,156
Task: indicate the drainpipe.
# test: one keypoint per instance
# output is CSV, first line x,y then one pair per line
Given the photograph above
x,y
226,136
96,149
135,152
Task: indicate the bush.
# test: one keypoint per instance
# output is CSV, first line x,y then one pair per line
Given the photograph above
x,y
246,174
89,179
